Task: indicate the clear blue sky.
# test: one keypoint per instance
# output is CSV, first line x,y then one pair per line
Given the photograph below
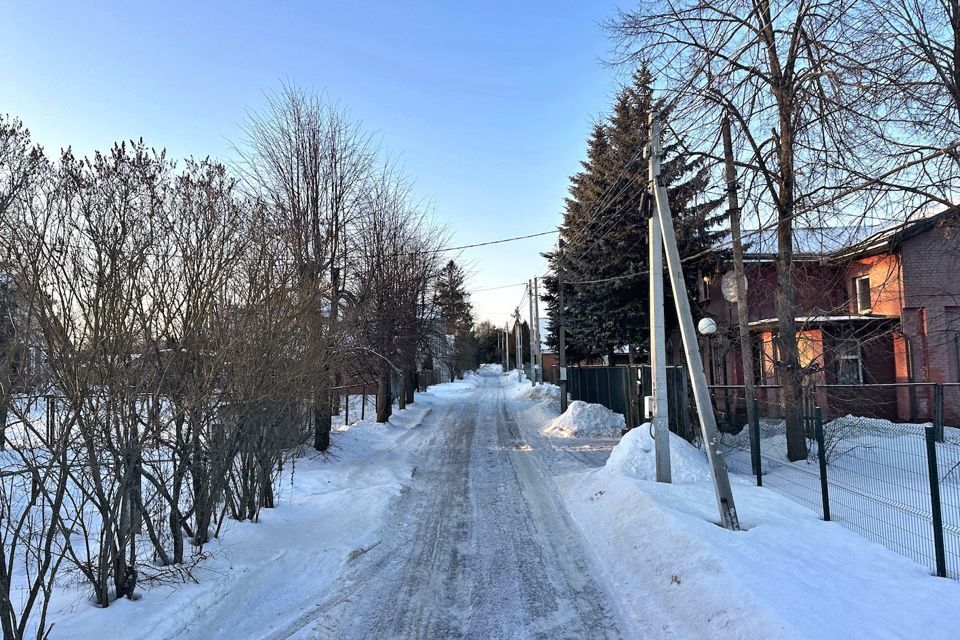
x,y
489,104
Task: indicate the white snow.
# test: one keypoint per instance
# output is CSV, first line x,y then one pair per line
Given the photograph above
x,y
655,549
585,419
788,575
261,576
677,574
878,477
803,320
635,457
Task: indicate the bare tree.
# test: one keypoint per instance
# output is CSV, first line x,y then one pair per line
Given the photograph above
x,y
800,115
397,262
309,164
908,53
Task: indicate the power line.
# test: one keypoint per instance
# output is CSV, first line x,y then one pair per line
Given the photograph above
x,y
489,242
503,286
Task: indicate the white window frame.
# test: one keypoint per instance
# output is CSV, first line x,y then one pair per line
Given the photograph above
x,y
856,294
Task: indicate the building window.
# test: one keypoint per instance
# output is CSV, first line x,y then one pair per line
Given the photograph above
x,y
703,287
862,287
849,362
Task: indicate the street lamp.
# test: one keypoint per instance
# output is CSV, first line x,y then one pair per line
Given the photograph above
x,y
707,326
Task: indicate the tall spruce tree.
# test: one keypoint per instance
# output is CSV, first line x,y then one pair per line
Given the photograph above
x,y
604,230
456,312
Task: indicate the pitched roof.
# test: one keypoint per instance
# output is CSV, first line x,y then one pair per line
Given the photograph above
x,y
840,240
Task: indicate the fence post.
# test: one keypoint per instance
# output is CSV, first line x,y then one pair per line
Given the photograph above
x,y
755,450
346,411
938,411
610,387
822,460
363,405
933,472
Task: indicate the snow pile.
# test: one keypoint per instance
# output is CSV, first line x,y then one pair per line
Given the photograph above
x,y
635,457
525,391
584,419
542,392
788,574
513,376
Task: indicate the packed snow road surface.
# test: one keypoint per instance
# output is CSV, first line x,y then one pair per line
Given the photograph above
x,y
477,546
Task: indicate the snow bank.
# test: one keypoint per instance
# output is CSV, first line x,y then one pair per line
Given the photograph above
x,y
787,575
468,383
585,419
525,391
635,457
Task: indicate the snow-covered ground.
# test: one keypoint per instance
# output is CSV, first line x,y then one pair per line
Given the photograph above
x,y
261,576
787,575
467,517
879,481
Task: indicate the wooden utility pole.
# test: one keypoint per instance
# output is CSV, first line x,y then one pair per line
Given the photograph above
x,y
536,323
500,344
531,333
658,339
739,274
518,344
562,337
506,349
698,378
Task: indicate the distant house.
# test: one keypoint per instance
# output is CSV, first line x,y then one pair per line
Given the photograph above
x,y
550,356
874,307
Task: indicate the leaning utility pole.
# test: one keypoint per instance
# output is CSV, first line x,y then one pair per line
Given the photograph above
x,y
658,339
743,316
701,394
536,323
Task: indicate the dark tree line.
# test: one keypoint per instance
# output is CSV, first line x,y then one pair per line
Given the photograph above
x,y
602,250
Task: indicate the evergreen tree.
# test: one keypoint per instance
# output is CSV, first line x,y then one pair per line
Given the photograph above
x,y
488,343
604,231
456,312
453,300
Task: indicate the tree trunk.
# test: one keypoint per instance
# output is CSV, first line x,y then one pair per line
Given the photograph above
x,y
411,377
788,362
383,396
322,415
6,607
786,341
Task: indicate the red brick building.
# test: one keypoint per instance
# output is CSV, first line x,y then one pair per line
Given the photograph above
x,y
874,307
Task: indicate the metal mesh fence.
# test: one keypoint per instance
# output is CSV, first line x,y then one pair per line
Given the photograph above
x,y
888,470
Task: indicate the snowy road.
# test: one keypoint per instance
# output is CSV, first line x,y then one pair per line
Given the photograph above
x,y
478,545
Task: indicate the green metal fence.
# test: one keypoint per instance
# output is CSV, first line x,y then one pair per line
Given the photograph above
x,y
616,388
893,480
